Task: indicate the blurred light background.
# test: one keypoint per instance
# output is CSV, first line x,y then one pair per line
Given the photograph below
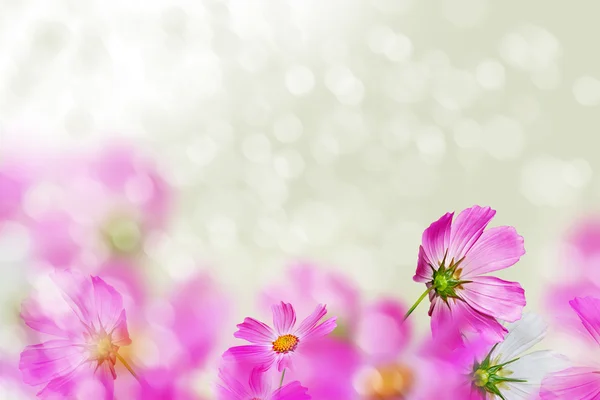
x,y
329,131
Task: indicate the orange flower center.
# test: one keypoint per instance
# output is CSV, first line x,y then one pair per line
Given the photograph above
x,y
286,343
389,382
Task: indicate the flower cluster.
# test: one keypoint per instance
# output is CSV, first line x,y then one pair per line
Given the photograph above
x,y
102,330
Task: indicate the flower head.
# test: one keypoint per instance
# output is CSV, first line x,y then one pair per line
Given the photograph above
x,y
84,342
578,382
279,345
452,259
502,372
257,388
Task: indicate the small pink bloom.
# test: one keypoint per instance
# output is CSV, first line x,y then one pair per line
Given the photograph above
x,y
83,345
258,388
578,382
270,346
453,258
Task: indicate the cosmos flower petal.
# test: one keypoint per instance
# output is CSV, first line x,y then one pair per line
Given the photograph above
x,y
258,385
291,391
532,368
320,330
259,355
255,332
588,310
580,383
495,297
36,318
522,335
46,361
231,389
284,318
312,320
460,318
497,248
120,334
285,361
435,241
77,292
466,230
108,304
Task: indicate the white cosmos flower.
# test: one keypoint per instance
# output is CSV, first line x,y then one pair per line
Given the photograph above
x,y
508,374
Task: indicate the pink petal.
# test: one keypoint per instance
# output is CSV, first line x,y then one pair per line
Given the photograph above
x,y
260,355
382,322
255,332
108,304
284,318
320,330
231,389
556,301
258,386
588,310
309,322
467,228
495,297
78,293
291,391
120,334
285,361
573,383
36,319
435,241
44,362
201,312
460,319
496,249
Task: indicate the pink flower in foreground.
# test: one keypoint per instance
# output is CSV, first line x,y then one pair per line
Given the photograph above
x,y
578,382
84,339
579,257
258,388
270,346
453,258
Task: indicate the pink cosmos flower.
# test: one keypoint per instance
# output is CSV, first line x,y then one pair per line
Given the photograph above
x,y
578,382
84,338
278,346
453,258
258,388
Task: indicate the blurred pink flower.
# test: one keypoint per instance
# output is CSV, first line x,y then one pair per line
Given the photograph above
x,y
309,284
85,342
578,382
184,330
578,275
106,204
452,259
257,388
278,346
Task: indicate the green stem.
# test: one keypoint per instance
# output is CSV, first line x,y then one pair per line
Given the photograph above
x,y
419,300
126,364
282,376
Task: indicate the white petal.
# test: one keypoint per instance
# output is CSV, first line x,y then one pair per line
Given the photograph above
x,y
533,368
522,335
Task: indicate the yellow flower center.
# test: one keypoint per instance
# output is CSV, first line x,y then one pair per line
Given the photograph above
x,y
286,343
103,349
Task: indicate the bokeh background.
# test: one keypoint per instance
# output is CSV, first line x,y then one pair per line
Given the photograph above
x,y
283,130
